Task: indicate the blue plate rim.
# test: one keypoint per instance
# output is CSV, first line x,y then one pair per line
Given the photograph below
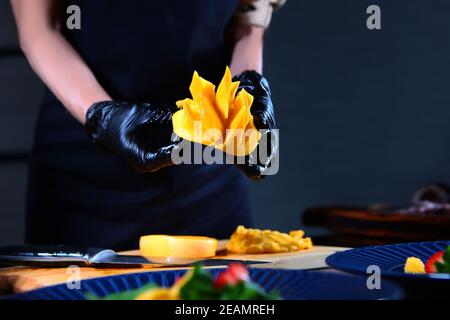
x,y
333,262
393,290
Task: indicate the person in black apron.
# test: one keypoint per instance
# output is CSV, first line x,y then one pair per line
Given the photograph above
x,y
82,189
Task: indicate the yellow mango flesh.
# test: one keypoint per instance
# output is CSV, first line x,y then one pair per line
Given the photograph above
x,y
159,294
177,246
221,118
172,293
414,265
245,240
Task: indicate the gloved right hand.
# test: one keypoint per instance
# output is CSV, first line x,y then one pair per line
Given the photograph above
x,y
257,167
141,133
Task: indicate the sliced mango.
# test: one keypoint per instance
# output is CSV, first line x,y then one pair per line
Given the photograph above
x,y
220,119
177,246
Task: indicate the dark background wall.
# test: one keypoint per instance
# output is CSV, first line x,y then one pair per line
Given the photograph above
x,y
364,115
20,93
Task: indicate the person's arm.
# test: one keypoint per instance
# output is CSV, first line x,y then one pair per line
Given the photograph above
x,y
140,133
247,29
54,60
247,33
248,49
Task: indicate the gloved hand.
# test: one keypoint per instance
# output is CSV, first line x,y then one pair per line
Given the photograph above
x,y
141,133
257,166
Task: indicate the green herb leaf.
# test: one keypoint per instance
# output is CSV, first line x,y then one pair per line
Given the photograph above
x,y
200,286
446,256
444,267
247,290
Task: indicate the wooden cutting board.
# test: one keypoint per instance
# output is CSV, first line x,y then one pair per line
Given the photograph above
x,y
22,279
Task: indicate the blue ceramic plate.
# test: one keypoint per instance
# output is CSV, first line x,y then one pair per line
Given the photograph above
x,y
390,258
292,284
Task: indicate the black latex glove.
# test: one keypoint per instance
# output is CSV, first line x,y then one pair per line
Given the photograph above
x,y
264,119
141,133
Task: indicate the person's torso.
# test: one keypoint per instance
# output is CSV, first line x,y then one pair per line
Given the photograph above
x,y
142,50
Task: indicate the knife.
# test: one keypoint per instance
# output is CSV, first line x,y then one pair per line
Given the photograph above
x,y
64,256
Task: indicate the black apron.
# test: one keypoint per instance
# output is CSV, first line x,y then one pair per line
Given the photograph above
x,y
142,51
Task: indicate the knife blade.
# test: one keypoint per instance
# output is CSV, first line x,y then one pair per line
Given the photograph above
x,y
64,256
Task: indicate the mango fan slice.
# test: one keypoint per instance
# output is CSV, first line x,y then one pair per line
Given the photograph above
x,y
221,118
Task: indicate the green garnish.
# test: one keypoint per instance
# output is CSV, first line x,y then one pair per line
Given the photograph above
x,y
444,267
200,285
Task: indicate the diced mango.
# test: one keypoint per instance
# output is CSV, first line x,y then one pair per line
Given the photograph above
x,y
245,240
177,246
414,265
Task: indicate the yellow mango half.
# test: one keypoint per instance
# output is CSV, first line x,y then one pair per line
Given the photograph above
x,y
221,118
177,246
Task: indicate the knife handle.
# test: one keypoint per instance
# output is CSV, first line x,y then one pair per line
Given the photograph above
x,y
52,256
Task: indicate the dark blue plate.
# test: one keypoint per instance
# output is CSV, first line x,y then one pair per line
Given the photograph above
x,y
292,284
390,258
